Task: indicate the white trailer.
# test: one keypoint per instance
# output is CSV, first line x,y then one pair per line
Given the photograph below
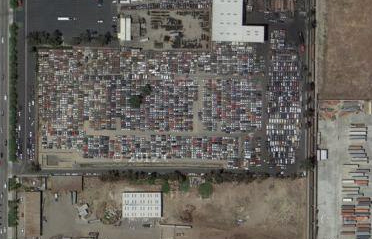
x,y
347,199
358,133
64,18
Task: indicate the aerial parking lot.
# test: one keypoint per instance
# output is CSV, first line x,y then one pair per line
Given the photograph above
x,y
173,106
75,16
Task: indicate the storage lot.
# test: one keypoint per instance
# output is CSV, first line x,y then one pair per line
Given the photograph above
x,y
240,103
178,112
169,29
332,173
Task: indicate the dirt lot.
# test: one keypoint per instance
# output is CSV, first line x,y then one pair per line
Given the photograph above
x,y
344,49
267,209
270,209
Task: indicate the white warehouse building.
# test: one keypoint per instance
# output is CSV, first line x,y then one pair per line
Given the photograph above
x,y
125,29
227,23
142,205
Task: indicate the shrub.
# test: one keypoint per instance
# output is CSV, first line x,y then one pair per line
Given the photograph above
x,y
185,186
165,187
205,190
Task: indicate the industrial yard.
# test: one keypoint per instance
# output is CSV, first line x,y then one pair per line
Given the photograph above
x,y
260,209
344,194
168,29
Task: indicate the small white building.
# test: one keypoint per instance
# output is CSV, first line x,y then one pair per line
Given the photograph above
x,y
125,29
322,154
227,23
142,205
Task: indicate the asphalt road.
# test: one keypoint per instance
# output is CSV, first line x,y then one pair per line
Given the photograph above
x,y
4,19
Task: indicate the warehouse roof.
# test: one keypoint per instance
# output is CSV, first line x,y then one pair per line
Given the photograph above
x,y
142,204
125,29
227,23
32,211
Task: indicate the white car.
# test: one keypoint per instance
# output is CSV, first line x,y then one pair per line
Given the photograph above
x,y
2,40
1,231
5,97
5,185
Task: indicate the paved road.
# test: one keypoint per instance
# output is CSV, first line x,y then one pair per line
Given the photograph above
x,y
4,19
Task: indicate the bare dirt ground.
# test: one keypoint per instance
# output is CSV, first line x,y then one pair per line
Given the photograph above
x,y
344,49
272,208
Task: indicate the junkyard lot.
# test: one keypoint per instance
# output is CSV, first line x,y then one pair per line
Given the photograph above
x,y
271,208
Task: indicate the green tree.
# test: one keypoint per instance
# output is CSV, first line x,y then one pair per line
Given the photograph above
x,y
56,38
13,79
13,213
13,4
13,184
146,90
135,101
307,164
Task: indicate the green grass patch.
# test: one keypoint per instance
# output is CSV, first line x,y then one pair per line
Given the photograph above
x,y
205,189
151,180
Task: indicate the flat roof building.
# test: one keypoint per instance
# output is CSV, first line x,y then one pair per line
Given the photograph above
x,y
228,25
125,29
142,205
